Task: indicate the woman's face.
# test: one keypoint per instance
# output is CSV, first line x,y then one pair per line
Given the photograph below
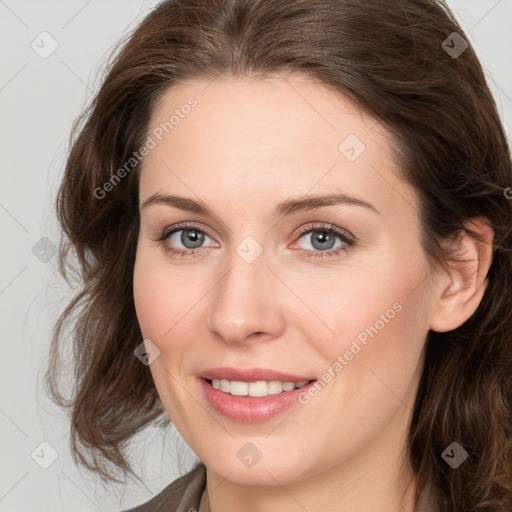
x,y
297,253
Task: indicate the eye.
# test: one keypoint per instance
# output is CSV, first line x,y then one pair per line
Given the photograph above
x,y
323,240
188,240
183,240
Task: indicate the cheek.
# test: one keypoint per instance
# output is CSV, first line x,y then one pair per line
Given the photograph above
x,y
346,305
163,307
148,296
162,299
374,319
372,364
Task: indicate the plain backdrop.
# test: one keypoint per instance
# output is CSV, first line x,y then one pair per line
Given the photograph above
x,y
40,96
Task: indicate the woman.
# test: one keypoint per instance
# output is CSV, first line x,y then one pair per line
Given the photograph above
x,y
293,232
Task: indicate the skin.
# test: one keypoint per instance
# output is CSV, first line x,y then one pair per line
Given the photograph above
x,y
248,145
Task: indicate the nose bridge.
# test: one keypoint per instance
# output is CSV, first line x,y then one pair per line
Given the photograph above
x,y
245,300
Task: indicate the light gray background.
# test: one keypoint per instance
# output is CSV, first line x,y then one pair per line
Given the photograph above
x,y
39,99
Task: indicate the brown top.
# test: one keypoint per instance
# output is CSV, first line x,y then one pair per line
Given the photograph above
x,y
186,494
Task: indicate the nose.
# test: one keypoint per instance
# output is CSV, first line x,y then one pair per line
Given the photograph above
x,y
245,303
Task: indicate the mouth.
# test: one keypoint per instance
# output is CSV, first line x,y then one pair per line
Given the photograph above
x,y
252,396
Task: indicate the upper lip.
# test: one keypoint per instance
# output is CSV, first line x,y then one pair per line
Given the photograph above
x,y
251,375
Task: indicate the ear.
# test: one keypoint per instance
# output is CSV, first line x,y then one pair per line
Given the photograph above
x,y
460,289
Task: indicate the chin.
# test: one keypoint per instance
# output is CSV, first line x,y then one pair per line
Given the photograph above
x,y
258,463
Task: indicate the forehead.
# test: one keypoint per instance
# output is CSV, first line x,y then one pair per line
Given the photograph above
x,y
268,137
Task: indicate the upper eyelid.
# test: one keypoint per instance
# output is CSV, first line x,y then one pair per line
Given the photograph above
x,y
181,227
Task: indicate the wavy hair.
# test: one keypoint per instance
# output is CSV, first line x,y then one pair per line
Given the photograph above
x,y
387,56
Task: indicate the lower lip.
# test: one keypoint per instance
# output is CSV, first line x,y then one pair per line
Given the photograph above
x,y
250,409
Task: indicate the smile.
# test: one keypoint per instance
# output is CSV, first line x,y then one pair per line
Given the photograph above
x,y
251,395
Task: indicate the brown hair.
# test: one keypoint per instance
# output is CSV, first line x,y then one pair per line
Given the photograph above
x,y
387,56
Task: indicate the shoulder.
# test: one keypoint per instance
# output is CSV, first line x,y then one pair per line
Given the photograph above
x,y
179,496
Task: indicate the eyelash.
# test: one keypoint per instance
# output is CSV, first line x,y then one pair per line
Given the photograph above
x,y
348,240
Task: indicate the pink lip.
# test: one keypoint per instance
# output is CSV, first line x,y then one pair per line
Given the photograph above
x,y
251,375
249,409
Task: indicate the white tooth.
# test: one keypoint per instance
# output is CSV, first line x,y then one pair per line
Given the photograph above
x,y
258,388
288,386
274,387
225,385
239,388
216,383
300,384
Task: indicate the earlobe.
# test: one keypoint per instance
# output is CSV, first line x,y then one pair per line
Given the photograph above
x,y
459,291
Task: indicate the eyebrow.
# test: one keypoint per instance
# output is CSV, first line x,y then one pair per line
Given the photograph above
x,y
284,208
